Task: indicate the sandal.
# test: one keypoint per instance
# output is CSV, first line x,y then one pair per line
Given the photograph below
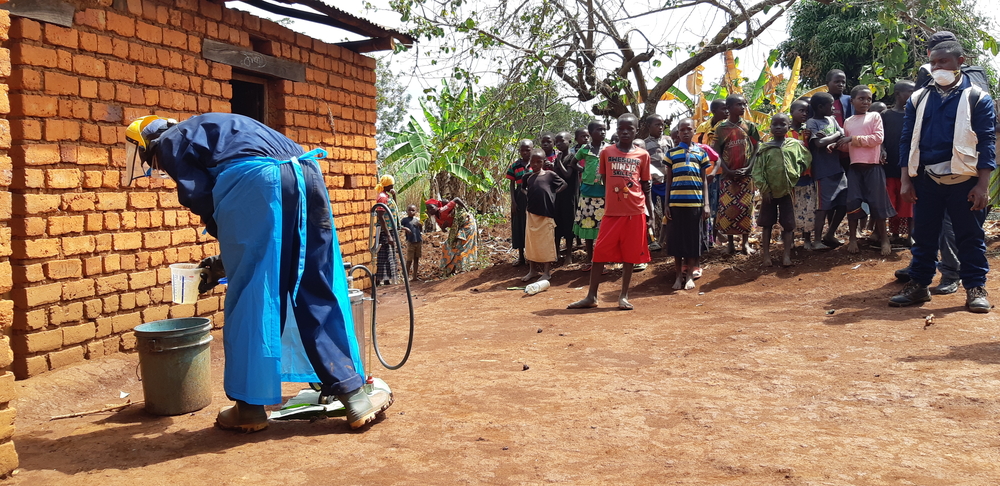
x,y
587,267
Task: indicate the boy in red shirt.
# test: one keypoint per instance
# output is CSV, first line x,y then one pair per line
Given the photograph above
x,y
624,169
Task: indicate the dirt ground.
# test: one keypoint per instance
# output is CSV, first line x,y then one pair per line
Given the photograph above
x,y
799,376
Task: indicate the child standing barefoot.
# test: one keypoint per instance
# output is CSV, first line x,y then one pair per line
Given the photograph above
x,y
736,141
687,207
779,165
622,237
590,209
804,194
831,183
540,242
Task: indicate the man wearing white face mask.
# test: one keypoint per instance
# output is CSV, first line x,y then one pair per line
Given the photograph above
x,y
948,150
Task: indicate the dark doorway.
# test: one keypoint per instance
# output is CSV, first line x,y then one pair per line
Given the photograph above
x,y
250,99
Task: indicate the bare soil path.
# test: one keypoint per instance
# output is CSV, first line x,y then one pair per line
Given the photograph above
x,y
750,379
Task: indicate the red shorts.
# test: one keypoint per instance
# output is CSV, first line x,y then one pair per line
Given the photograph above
x,y
622,239
903,208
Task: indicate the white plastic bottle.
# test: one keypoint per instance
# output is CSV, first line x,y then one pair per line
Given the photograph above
x,y
536,287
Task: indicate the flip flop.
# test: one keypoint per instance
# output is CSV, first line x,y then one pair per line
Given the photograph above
x,y
626,307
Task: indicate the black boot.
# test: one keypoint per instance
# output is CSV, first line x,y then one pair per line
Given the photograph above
x,y
912,294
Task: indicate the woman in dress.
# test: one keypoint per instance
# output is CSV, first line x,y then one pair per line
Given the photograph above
x,y
460,250
386,264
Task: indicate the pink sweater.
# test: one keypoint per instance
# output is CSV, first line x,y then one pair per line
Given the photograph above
x,y
867,133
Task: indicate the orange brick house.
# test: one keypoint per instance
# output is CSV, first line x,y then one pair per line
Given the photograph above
x,y
82,260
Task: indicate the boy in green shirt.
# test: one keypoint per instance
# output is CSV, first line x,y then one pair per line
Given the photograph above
x,y
775,172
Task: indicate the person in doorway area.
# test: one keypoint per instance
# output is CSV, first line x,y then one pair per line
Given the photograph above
x,y
267,203
459,251
948,151
386,263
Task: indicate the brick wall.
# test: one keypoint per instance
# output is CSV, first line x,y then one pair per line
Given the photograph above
x,y
89,259
8,456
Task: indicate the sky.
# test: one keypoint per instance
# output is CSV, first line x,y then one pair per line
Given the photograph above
x,y
419,75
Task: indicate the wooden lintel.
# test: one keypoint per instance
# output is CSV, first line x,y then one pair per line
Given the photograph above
x,y
51,11
370,45
252,61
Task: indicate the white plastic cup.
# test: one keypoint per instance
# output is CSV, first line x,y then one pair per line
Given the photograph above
x,y
184,281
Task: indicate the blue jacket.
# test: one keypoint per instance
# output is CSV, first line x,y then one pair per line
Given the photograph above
x,y
187,150
939,127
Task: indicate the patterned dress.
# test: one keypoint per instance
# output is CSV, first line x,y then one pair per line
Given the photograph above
x,y
386,262
739,142
459,251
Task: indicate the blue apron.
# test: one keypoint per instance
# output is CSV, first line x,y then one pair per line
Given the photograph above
x,y
259,356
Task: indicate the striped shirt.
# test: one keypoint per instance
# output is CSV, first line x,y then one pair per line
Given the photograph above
x,y
687,187
518,171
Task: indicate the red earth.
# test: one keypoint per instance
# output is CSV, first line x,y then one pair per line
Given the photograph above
x,y
797,375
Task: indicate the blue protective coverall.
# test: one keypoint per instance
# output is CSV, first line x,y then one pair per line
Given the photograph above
x,y
267,203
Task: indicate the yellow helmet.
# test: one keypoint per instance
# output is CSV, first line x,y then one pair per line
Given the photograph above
x,y
138,138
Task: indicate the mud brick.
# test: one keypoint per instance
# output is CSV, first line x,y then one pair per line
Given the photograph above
x,y
176,81
93,156
92,309
24,54
142,280
149,33
112,221
109,284
26,368
79,289
78,245
28,273
120,24
182,236
207,305
25,320
33,105
127,301
95,222
126,322
181,311
106,113
56,130
60,225
6,358
105,91
36,248
149,76
112,263
156,239
62,178
60,269
23,28
127,341
102,326
127,241
37,342
112,345
92,266
26,129
142,297
142,200
95,349
102,242
157,313
6,278
111,201
6,314
120,71
66,357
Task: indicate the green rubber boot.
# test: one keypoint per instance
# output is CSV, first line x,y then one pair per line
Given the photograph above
x,y
242,417
363,407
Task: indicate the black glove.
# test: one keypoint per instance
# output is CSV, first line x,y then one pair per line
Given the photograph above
x,y
212,273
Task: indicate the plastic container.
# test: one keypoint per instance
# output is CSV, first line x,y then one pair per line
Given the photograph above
x,y
358,311
175,359
184,280
539,286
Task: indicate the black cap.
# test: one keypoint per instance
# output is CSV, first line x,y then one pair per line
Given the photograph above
x,y
939,37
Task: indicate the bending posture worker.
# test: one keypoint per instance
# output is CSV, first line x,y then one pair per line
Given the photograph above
x,y
266,202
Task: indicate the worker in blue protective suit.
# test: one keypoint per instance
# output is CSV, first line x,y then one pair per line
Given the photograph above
x,y
266,202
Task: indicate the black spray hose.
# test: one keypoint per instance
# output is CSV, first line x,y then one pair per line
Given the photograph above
x,y
374,244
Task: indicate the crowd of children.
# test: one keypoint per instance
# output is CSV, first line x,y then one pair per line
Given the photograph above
x,y
685,192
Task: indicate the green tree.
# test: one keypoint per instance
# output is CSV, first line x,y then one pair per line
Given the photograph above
x,y
391,105
593,47
878,42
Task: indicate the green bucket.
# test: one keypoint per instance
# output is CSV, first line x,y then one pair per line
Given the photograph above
x,y
175,358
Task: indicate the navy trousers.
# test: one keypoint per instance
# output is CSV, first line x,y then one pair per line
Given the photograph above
x,y
316,302
934,201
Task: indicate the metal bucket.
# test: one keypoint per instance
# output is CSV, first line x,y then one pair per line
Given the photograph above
x,y
358,311
175,359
